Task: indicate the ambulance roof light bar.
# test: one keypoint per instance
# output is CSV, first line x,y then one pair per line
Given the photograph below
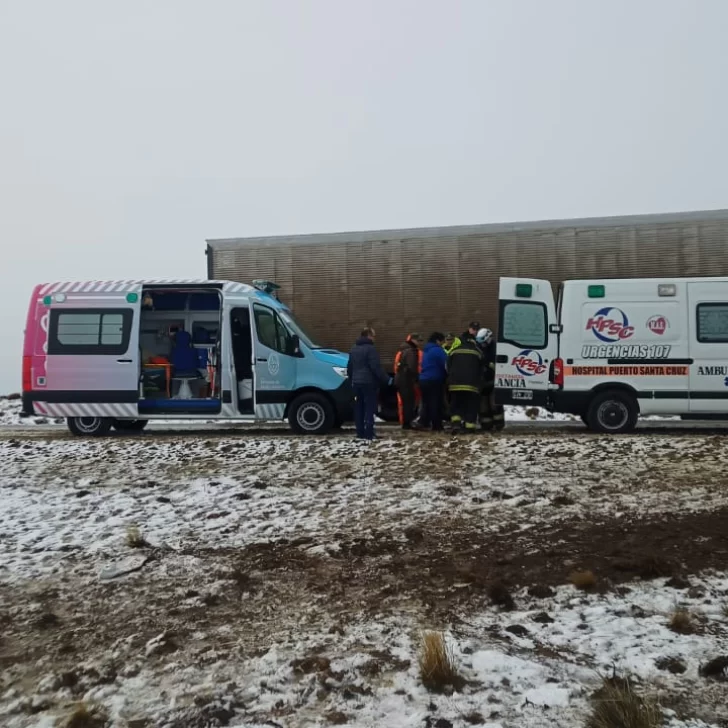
x,y
266,286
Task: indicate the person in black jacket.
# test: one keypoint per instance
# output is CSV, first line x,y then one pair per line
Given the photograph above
x,y
491,415
366,376
465,375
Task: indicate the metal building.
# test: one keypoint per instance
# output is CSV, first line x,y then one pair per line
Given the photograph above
x,y
427,279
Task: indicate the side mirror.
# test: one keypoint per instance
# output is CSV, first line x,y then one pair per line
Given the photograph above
x,y
294,345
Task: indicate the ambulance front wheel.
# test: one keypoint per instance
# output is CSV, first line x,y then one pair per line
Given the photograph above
x,y
311,414
89,426
613,412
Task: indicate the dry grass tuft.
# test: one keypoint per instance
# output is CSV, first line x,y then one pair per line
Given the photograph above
x,y
584,580
134,538
438,670
617,705
86,716
681,622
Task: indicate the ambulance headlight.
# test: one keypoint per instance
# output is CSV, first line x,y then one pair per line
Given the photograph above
x,y
341,371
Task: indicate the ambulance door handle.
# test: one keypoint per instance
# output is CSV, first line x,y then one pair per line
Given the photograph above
x,y
125,361
262,360
501,359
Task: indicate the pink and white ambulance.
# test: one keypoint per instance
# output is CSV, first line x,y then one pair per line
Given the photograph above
x,y
117,354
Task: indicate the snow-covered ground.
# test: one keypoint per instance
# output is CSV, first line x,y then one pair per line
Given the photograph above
x,y
10,415
185,580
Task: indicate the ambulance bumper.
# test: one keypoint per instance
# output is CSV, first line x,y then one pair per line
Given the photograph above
x,y
553,400
522,397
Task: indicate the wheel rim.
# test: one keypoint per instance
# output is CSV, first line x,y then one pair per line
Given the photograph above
x,y
310,416
88,424
613,414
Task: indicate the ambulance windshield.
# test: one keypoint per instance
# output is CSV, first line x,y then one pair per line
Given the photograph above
x,y
296,328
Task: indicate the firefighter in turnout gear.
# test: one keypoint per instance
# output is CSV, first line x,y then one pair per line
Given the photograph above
x,y
465,380
407,367
491,415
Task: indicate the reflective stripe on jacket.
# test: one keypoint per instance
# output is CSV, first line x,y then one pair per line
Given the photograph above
x,y
465,367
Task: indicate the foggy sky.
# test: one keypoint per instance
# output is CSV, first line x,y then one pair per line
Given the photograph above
x,y
131,131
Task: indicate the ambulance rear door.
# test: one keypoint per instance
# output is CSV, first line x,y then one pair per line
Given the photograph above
x,y
527,342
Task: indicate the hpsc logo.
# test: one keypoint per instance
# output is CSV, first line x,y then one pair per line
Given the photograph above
x,y
528,363
610,325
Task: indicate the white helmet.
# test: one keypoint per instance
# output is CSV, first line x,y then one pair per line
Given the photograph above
x,y
484,336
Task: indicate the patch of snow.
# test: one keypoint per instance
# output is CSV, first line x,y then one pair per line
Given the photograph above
x,y
68,497
508,684
67,504
547,696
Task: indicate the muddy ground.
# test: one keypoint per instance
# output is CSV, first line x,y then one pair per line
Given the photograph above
x,y
424,532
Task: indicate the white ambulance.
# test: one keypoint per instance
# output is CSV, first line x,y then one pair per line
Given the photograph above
x,y
612,350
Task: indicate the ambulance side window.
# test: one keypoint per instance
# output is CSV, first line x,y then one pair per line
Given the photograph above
x,y
523,324
712,323
89,331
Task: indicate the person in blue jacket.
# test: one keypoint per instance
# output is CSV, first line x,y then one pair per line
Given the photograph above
x,y
432,382
366,376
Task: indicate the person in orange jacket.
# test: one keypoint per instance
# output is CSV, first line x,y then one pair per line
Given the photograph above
x,y
407,367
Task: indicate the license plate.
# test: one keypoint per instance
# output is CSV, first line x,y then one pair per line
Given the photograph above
x,y
522,394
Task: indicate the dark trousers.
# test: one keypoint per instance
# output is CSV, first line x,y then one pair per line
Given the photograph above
x,y
407,400
464,407
491,415
433,401
365,408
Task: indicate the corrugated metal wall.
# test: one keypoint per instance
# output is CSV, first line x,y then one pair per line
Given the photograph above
x,y
426,280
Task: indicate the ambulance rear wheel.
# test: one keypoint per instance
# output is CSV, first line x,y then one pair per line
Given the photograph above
x,y
89,426
613,412
130,425
311,414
